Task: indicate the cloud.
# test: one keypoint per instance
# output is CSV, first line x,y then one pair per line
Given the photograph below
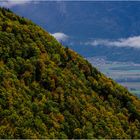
x,y
133,42
11,3
60,36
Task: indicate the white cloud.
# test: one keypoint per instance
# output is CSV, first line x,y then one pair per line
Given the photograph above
x,y
133,42
11,3
60,36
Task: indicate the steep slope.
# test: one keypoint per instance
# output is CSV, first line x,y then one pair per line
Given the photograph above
x,y
49,91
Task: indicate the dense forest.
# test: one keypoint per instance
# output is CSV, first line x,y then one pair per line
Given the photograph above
x,y
49,91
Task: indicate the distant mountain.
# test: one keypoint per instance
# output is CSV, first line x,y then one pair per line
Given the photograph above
x,y
49,91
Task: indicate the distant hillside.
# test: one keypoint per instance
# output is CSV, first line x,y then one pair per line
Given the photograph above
x,y
49,91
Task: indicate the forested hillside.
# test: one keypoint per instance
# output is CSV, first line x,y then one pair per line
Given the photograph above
x,y
49,91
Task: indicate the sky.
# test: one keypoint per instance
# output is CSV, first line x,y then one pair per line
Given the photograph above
x,y
10,3
60,36
132,42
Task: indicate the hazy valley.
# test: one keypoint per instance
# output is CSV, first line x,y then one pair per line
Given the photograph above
x,y
125,73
